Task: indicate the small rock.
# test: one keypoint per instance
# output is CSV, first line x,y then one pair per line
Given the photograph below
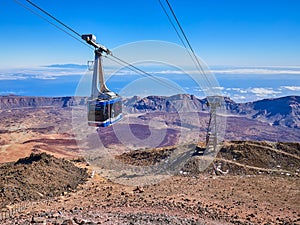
x,y
139,189
56,215
38,220
78,221
58,221
68,222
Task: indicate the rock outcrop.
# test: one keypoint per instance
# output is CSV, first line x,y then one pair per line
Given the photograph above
x,y
283,111
11,102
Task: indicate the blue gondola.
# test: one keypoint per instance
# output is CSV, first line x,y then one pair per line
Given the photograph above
x,y
104,106
103,113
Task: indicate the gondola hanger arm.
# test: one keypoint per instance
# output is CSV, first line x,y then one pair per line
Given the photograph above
x,y
91,40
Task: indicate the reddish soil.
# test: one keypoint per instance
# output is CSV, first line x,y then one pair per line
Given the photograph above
x,y
258,183
39,176
26,131
251,192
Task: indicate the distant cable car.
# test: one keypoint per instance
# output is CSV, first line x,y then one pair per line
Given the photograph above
x,y
104,106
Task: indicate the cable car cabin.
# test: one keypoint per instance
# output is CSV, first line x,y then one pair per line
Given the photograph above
x,y
104,110
104,106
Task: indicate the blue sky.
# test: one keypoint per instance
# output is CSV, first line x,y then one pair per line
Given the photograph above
x,y
252,46
222,32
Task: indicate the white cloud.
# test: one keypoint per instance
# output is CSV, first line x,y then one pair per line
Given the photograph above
x,y
39,73
110,72
264,92
11,77
238,98
12,92
218,88
258,70
233,70
52,72
170,72
240,90
291,88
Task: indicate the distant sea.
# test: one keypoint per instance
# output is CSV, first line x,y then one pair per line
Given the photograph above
x,y
241,85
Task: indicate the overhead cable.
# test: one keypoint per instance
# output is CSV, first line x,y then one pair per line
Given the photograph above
x,y
140,71
193,56
50,22
77,36
57,20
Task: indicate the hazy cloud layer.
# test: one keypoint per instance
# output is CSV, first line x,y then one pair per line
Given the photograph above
x,y
239,83
291,88
259,70
55,71
44,73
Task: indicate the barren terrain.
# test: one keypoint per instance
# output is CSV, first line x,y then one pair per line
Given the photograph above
x,y
28,130
247,194
250,181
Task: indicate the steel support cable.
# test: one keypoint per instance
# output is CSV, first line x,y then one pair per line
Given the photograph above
x,y
50,22
121,61
188,42
140,71
194,57
183,33
173,25
57,20
175,29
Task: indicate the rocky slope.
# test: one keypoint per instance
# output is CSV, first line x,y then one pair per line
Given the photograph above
x,y
12,102
235,157
176,103
283,111
260,187
38,176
